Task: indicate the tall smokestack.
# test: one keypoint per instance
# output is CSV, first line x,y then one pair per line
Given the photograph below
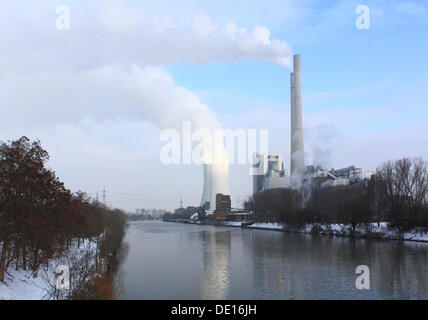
x,y
297,160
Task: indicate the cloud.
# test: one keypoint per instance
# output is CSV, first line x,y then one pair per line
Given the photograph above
x,y
103,94
105,66
203,27
115,33
117,20
102,68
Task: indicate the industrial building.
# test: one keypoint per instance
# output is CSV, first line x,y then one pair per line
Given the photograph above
x,y
268,172
321,178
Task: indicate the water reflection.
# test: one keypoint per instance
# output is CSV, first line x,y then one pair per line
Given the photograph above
x,y
178,261
115,277
216,264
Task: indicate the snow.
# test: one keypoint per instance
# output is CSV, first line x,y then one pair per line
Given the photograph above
x,y
232,224
416,236
272,226
22,285
377,230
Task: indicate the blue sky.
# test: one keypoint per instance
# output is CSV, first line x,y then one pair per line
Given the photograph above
x,y
82,91
336,55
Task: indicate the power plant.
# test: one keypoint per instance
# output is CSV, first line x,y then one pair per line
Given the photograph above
x,y
270,173
297,156
268,169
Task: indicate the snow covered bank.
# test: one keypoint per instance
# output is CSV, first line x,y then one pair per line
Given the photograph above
x,y
267,226
22,285
374,230
379,230
416,236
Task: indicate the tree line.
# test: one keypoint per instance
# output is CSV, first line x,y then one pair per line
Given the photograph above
x,y
396,193
40,219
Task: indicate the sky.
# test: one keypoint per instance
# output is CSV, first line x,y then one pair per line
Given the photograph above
x,y
99,94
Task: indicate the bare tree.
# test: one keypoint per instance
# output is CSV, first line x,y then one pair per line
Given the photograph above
x,y
416,185
401,190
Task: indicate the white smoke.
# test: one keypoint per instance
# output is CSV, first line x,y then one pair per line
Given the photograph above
x,y
320,138
102,68
104,94
116,34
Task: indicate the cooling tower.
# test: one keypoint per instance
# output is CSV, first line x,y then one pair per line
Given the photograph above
x,y
216,180
297,160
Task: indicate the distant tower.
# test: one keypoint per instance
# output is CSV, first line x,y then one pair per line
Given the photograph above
x,y
297,159
181,202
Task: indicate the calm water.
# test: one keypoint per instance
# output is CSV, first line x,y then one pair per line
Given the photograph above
x,y
182,261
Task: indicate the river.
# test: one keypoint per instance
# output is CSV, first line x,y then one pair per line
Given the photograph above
x,y
184,261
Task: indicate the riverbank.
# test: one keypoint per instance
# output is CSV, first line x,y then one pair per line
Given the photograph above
x,y
26,285
380,230
92,264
